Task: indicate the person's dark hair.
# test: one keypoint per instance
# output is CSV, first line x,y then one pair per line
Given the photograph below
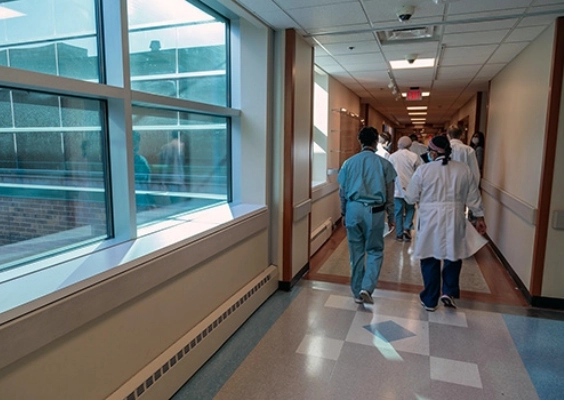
x,y
454,132
481,139
441,145
368,136
413,137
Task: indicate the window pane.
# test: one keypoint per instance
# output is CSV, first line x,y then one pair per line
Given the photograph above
x,y
182,162
178,50
52,190
55,37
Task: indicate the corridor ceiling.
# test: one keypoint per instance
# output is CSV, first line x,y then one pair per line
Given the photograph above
x,y
356,41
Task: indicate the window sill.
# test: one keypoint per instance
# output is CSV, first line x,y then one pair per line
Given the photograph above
x,y
30,287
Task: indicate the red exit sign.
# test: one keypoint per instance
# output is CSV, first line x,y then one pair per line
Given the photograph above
x,y
413,95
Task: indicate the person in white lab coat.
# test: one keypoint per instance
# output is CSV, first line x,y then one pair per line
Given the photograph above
x,y
405,163
382,148
463,153
443,188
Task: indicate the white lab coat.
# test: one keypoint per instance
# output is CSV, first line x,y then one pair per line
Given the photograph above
x,y
443,192
381,151
418,148
405,163
466,154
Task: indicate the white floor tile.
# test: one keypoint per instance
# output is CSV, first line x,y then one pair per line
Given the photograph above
x,y
319,346
341,302
452,371
449,317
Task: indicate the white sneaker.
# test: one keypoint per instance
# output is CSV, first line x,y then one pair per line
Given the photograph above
x,y
427,307
366,297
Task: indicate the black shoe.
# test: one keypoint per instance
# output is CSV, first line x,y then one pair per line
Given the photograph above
x,y
448,301
406,236
399,238
427,307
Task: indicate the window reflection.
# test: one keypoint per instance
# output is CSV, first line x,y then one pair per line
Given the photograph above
x,y
182,162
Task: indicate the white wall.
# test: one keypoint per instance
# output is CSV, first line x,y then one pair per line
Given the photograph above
x,y
514,151
326,203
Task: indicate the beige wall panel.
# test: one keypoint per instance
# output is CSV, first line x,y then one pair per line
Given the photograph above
x,y
93,361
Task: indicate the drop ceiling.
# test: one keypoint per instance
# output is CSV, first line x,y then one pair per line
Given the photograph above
x,y
355,40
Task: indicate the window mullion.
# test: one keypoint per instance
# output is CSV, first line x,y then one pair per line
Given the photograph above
x,y
116,54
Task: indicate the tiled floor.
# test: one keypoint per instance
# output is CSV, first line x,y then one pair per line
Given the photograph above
x,y
316,343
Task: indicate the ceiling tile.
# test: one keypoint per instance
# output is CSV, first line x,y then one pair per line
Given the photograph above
x,y
467,55
339,49
525,34
354,59
474,38
351,38
506,52
386,10
475,6
458,72
481,26
345,13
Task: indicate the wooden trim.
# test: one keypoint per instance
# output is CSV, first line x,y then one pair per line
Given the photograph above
x,y
288,157
547,172
311,123
478,115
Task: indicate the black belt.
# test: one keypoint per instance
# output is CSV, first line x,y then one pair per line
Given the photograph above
x,y
377,209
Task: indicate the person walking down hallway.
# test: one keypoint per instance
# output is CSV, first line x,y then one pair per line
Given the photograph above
x,y
463,153
443,188
405,163
367,196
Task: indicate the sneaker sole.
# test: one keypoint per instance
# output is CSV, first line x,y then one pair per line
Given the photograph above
x,y
427,307
365,296
448,302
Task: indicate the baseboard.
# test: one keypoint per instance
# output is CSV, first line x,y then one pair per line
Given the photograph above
x,y
162,377
287,285
547,302
520,285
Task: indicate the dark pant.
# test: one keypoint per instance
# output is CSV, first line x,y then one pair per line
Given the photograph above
x,y
431,271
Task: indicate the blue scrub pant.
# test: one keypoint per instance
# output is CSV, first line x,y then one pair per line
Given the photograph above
x,y
404,215
431,271
365,235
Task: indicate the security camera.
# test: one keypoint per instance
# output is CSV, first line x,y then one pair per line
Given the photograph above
x,y
404,13
410,58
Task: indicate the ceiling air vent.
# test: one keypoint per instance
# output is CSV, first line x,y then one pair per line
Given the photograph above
x,y
407,34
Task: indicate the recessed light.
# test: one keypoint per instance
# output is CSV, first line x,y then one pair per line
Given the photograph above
x,y
418,113
419,63
415,108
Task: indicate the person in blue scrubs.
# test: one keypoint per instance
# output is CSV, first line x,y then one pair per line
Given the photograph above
x,y
367,196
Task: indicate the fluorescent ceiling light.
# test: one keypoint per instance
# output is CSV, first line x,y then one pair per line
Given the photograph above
x,y
419,63
423,94
418,119
415,108
6,13
418,113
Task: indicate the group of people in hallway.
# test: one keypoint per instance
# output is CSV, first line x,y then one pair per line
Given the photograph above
x,y
443,183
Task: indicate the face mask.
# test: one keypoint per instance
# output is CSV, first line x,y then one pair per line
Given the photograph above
x,y
475,140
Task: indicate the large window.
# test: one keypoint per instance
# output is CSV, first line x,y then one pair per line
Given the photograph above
x,y
52,174
181,162
56,37
81,161
178,50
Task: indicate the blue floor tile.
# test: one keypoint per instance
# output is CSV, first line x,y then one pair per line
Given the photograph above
x,y
540,343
